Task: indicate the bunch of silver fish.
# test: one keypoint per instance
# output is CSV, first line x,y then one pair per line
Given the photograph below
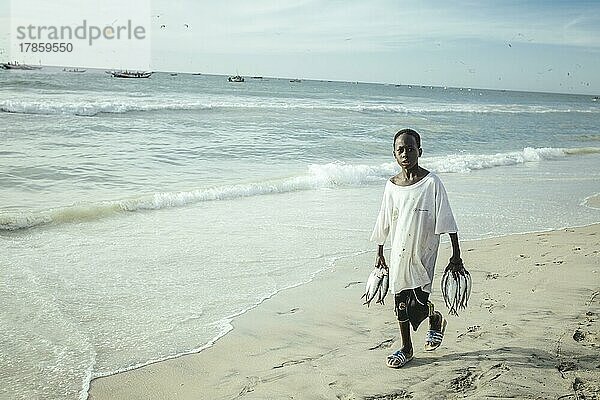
x,y
456,288
377,286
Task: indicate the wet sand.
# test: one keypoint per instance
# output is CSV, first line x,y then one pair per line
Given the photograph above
x,y
531,332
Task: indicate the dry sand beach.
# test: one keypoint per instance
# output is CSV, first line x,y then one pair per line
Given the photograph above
x,y
531,332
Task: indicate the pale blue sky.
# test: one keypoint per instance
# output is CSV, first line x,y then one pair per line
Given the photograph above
x,y
536,45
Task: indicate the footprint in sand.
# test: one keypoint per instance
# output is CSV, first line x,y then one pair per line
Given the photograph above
x,y
469,377
465,381
566,366
495,371
578,385
590,318
586,337
585,389
579,335
249,387
586,333
588,325
473,332
491,304
592,298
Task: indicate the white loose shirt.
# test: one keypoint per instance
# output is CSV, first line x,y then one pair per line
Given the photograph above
x,y
415,216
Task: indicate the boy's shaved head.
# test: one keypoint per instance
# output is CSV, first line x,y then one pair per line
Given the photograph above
x,y
410,132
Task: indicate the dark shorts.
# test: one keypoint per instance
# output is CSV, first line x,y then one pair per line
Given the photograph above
x,y
412,305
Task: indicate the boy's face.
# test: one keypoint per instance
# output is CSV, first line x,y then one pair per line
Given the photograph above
x,y
407,152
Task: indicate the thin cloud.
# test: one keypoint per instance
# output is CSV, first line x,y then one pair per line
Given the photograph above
x,y
377,26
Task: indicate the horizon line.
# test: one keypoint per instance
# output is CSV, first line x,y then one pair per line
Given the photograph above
x,y
417,85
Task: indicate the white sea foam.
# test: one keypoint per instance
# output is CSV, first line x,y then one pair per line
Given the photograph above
x,y
84,107
592,201
318,176
468,162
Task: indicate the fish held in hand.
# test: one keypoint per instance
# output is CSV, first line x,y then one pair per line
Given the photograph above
x,y
373,286
456,287
384,287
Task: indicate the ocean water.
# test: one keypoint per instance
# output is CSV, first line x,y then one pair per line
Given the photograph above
x,y
138,218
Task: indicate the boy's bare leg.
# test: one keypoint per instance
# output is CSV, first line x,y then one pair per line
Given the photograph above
x,y
435,321
407,347
399,358
437,325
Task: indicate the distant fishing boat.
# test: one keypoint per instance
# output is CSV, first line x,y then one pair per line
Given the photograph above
x,y
295,80
595,98
17,65
131,74
77,70
236,78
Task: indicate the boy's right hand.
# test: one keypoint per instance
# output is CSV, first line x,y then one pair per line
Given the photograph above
x,y
380,262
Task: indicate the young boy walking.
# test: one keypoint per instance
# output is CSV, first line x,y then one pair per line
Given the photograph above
x,y
415,211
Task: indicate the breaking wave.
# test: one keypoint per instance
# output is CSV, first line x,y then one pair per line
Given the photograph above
x,y
84,107
89,109
317,176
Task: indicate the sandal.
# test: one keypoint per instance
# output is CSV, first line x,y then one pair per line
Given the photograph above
x,y
434,338
398,359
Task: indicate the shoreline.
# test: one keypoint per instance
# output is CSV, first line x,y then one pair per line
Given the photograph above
x,y
229,322
290,344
